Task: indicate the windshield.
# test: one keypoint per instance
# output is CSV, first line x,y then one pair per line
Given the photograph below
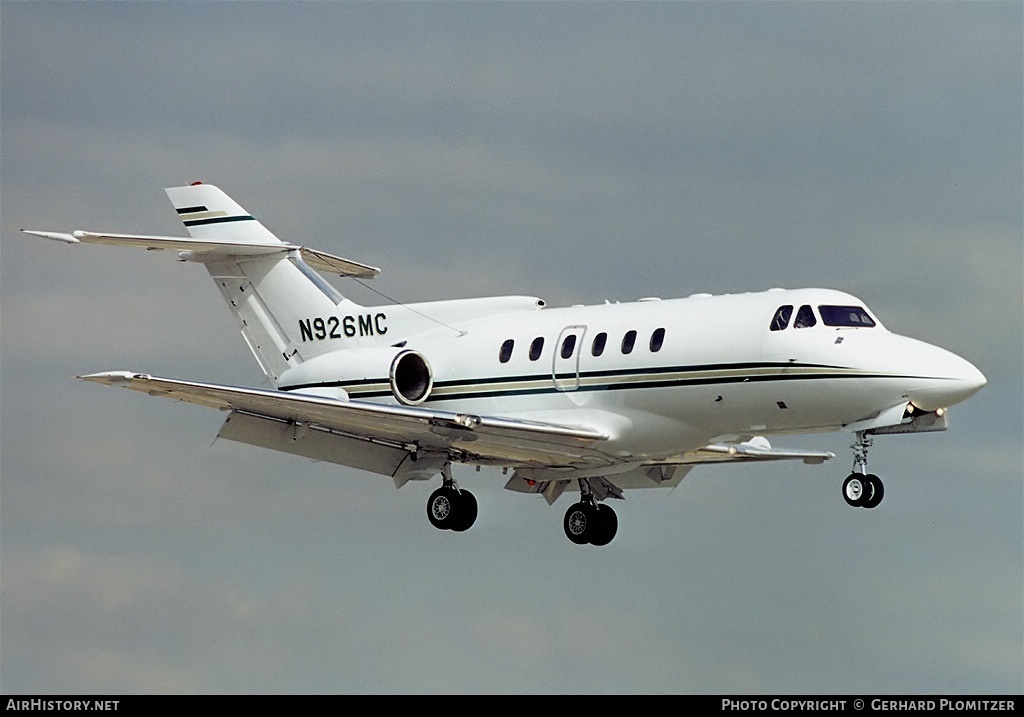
x,y
845,316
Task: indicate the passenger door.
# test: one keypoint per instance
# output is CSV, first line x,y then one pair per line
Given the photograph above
x,y
565,368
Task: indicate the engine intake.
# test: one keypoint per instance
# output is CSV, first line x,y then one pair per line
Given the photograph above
x,y
411,378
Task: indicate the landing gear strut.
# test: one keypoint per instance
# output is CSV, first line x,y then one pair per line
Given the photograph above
x,y
862,489
589,521
449,507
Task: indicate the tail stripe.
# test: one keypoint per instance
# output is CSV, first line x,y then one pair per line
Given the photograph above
x,y
215,219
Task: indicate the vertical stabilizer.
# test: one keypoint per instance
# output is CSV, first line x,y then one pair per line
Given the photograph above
x,y
272,295
209,213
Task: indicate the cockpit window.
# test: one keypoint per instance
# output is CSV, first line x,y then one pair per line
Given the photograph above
x,y
804,318
781,318
845,316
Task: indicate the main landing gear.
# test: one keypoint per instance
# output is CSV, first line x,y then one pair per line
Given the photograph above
x,y
589,521
449,507
862,489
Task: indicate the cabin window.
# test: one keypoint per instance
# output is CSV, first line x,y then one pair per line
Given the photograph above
x,y
845,316
657,339
781,319
536,347
598,346
804,318
506,351
568,346
628,341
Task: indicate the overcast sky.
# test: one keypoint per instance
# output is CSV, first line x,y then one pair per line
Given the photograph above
x,y
573,151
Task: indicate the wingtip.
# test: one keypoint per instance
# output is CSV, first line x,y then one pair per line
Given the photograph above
x,y
111,377
56,236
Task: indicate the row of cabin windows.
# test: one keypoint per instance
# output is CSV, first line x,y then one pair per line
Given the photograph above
x,y
848,316
596,348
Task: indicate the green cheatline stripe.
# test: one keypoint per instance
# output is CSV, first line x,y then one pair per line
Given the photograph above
x,y
620,379
609,373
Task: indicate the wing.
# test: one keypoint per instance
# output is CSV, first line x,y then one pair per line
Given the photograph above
x,y
216,247
667,473
756,449
404,442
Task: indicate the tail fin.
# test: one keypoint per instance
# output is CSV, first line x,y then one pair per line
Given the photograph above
x,y
286,311
276,297
281,303
209,213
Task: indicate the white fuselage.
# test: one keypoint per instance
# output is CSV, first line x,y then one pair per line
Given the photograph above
x,y
660,377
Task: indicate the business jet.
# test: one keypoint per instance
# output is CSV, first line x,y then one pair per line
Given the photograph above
x,y
599,399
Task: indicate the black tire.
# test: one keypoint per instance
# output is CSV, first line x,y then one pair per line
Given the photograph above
x,y
855,489
606,525
875,491
578,523
443,508
465,511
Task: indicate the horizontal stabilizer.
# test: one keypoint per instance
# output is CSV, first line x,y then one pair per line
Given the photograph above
x,y
212,249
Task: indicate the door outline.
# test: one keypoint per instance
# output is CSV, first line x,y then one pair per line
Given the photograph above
x,y
565,372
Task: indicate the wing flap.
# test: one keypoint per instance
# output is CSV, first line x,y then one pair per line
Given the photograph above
x,y
321,444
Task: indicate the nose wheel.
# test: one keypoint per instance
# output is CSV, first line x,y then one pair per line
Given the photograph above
x,y
862,489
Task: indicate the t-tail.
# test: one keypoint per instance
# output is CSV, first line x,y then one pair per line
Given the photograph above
x,y
284,308
280,302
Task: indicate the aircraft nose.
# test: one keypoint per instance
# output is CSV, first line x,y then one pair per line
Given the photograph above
x,y
947,379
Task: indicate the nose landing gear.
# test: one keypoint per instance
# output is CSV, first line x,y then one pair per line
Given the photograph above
x,y
862,489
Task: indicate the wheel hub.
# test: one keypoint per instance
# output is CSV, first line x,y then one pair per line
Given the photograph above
x,y
441,507
577,522
854,489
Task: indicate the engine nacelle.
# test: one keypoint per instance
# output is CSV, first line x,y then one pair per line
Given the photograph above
x,y
405,371
411,377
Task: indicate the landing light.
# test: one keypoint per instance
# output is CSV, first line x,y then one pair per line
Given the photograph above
x,y
913,411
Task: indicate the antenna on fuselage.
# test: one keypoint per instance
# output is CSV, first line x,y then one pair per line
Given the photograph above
x,y
405,306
